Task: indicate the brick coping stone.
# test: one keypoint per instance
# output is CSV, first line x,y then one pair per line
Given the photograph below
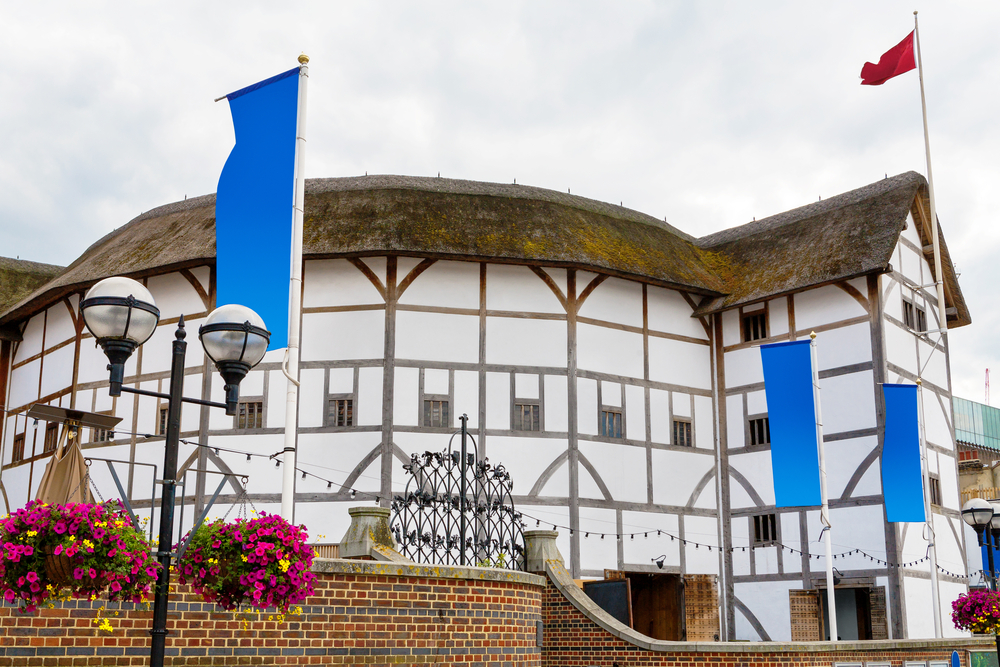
x,y
564,583
396,569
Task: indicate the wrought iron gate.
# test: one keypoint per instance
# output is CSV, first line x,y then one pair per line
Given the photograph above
x,y
458,511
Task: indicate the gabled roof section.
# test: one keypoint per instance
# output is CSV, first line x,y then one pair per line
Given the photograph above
x,y
19,278
843,237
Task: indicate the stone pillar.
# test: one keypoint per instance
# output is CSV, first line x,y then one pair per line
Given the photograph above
x,y
369,534
540,546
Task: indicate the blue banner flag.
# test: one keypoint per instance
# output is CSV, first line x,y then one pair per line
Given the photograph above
x,y
791,415
253,206
902,481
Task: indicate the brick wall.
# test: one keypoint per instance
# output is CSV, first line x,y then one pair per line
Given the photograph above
x,y
363,612
572,639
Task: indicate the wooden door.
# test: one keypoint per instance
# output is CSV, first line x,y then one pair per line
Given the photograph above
x,y
807,618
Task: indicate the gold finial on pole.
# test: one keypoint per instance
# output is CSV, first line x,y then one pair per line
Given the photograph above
x,y
303,59
919,381
812,335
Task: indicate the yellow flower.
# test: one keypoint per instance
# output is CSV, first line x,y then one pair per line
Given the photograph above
x,y
32,533
284,564
244,558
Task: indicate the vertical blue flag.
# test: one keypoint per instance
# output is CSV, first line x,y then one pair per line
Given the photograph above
x,y
902,481
253,206
791,414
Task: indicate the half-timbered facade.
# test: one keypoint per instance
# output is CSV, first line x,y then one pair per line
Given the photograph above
x,y
607,359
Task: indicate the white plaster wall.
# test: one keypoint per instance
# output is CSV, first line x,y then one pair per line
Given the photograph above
x,y
598,554
277,388
517,289
735,431
368,409
621,467
31,339
445,284
756,468
768,602
660,423
777,317
676,362
312,402
900,348
844,346
405,404
523,342
467,396
704,423
59,325
611,394
731,334
174,295
643,550
848,402
610,351
743,367
437,337
842,460
342,336
790,534
682,405
498,401
526,386
704,530
525,458
676,474
670,313
635,412
740,535
587,408
24,384
824,305
614,300
933,363
336,282
556,412
892,305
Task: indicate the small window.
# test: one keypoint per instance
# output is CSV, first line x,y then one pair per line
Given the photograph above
x,y
682,433
611,423
18,453
103,435
161,428
341,412
914,317
754,326
921,319
51,437
760,432
527,417
935,489
765,530
436,413
250,414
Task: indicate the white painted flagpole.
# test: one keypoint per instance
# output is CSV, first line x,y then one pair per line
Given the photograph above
x,y
291,364
943,330
824,513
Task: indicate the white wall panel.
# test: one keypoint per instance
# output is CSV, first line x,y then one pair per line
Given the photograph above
x,y
525,458
682,405
756,402
614,300
848,402
587,408
900,348
276,395
621,467
517,289
743,367
870,483
659,416
368,407
467,396
777,317
349,335
842,460
31,339
844,346
59,325
704,423
498,400
312,402
703,530
57,370
405,401
556,412
336,282
445,284
740,537
174,295
599,554
635,412
735,430
520,342
934,364
936,427
526,386
342,380
756,469
609,351
824,305
768,602
611,394
676,362
643,550
24,384
670,313
731,328
676,474
790,535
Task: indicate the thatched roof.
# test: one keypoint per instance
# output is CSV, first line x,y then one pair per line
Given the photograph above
x,y
18,279
835,239
842,237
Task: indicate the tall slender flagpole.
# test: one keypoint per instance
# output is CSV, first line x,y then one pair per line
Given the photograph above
x,y
931,549
824,513
942,329
291,366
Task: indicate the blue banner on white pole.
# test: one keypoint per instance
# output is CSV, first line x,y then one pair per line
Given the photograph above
x,y
791,413
902,481
253,206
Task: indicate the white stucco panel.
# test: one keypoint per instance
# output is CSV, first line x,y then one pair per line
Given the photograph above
x,y
445,284
731,334
347,335
614,300
900,348
824,305
522,342
556,412
704,423
405,401
24,384
844,346
622,468
659,416
587,408
498,401
848,402
670,313
635,412
518,289
735,422
467,396
703,530
755,467
743,367
676,362
59,325
597,554
768,603
336,282
368,408
677,476
648,546
31,339
609,351
174,295
437,337
526,459
57,370
843,457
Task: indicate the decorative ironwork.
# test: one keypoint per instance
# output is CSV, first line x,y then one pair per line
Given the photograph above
x,y
457,510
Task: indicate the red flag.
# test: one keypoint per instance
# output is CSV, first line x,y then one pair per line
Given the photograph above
x,y
895,61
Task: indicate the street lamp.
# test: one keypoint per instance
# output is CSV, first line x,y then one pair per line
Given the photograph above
x,y
121,315
980,514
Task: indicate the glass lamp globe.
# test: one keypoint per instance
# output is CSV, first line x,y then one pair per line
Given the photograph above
x,y
235,338
978,513
121,315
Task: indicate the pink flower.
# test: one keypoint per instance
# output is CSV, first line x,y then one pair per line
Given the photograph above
x,y
32,576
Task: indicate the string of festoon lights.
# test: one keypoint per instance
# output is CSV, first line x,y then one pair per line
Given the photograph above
x,y
592,534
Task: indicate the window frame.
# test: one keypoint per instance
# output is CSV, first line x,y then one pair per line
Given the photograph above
x,y
17,449
517,415
765,530
444,412
619,421
333,415
747,312
258,414
164,417
102,434
934,488
751,432
690,431
51,440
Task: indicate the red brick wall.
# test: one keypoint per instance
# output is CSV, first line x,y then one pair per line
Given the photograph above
x,y
572,639
352,619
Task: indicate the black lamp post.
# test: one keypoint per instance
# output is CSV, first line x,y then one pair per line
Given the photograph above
x,y
981,515
121,315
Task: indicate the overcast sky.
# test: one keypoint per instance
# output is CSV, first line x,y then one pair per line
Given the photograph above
x,y
708,114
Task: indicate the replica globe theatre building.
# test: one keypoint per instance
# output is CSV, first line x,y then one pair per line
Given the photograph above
x,y
605,358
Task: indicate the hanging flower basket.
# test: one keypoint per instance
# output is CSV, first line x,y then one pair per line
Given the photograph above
x,y
262,562
977,612
51,552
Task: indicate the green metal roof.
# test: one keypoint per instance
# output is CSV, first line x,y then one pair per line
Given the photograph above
x,y
976,424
